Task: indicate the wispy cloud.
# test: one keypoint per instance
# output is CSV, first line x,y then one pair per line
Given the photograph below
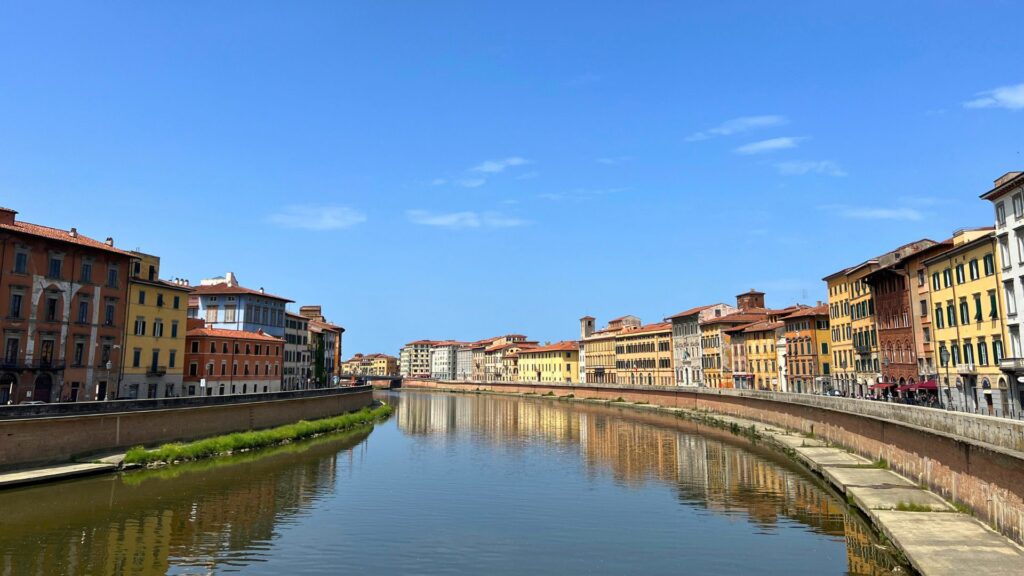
x,y
496,166
438,181
312,217
801,167
471,182
465,219
614,160
867,213
580,193
770,145
738,125
1009,97
528,175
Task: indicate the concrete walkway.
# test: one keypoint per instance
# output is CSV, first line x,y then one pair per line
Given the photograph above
x,y
42,474
933,536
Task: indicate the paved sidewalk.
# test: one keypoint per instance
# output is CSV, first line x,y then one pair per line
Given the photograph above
x,y
51,473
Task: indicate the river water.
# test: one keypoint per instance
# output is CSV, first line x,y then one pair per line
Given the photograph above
x,y
454,484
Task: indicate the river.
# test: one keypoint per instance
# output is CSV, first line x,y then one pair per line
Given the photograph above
x,y
455,484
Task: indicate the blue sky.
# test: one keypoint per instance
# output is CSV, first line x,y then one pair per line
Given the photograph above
x,y
463,169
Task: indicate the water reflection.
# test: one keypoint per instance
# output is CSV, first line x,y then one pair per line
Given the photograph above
x,y
708,467
195,518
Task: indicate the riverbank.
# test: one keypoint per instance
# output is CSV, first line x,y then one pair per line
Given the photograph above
x,y
934,536
200,449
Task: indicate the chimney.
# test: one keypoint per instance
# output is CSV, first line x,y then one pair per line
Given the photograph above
x,y
110,241
230,279
7,215
261,290
74,232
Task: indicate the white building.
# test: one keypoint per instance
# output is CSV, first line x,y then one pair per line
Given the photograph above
x,y
444,360
1007,197
296,353
414,359
686,341
464,363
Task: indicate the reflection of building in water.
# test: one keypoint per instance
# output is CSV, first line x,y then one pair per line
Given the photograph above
x,y
201,518
706,472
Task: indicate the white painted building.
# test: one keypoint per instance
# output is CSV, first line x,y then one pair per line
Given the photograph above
x,y
464,363
1007,197
444,360
414,359
296,353
686,341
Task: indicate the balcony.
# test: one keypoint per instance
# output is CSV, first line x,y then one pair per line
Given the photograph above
x,y
863,350
156,371
1012,364
37,365
966,368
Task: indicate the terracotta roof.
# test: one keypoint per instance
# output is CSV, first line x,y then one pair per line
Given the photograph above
x,y
763,326
60,236
690,312
821,310
217,289
421,343
743,317
495,348
236,334
566,346
1003,185
658,327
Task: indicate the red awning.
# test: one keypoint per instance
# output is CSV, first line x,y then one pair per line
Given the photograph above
x,y
927,385
905,388
881,385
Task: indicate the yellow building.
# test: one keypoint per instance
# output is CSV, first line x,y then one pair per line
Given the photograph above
x,y
644,355
762,359
597,348
371,365
968,320
864,328
843,374
717,346
559,362
154,346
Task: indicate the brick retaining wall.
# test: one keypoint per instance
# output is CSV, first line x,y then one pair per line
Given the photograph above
x,y
971,459
42,440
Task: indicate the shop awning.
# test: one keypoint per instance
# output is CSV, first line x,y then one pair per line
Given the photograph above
x,y
905,388
881,385
927,385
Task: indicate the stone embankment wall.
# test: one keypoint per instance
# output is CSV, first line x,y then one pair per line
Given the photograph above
x,y
39,439
974,460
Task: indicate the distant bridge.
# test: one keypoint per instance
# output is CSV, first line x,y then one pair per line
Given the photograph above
x,y
385,382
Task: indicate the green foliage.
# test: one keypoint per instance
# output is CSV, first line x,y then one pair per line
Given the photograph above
x,y
241,441
619,399
548,393
569,396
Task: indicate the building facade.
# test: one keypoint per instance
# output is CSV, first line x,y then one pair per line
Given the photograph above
x,y
686,341
297,356
970,327
155,335
414,359
597,348
444,360
808,354
220,362
63,328
643,356
558,362
223,303
1007,197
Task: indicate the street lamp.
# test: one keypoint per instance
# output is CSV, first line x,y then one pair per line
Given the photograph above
x,y
944,358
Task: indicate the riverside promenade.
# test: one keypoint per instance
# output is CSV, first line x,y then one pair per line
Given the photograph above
x,y
846,442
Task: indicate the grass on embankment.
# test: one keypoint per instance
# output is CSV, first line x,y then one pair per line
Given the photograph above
x,y
239,441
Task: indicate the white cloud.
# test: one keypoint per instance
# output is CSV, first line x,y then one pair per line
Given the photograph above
x,y
528,175
310,217
801,167
465,219
580,193
472,182
738,125
614,160
495,166
770,145
1009,97
856,213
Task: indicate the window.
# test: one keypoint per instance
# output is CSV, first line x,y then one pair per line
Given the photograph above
x,y
947,278
992,305
997,351
108,314
83,311
176,303
950,315
142,296
924,307
55,265
193,369
174,328
974,269
21,262
935,281
968,353
155,360
11,351
1017,205
140,326
79,352
982,353
920,277
172,356
15,309
956,352
960,274
158,328
136,357
159,299
1004,252
86,272
213,347
1011,302
1000,214
990,267
112,277
211,314
229,313
51,309
927,332
195,347
965,312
